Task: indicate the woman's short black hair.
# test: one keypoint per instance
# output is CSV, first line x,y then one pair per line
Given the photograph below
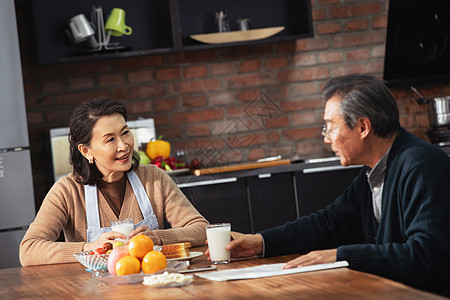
x,y
82,121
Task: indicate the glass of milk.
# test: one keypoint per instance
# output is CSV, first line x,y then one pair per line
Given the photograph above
x,y
218,236
124,226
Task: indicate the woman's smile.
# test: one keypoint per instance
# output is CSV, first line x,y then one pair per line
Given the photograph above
x,y
124,158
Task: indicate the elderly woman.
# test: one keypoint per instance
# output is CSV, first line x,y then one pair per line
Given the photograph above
x,y
107,184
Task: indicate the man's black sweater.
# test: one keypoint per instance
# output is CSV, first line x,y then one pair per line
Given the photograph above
x,y
411,244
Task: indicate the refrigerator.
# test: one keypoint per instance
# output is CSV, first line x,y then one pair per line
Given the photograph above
x,y
17,207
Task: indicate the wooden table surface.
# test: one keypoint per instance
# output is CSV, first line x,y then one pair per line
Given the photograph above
x,y
71,281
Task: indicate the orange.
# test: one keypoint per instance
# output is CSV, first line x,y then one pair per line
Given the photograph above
x,y
140,245
154,261
128,265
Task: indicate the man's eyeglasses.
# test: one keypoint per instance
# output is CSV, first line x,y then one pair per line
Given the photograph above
x,y
326,132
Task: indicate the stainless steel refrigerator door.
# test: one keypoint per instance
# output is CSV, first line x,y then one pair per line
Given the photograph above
x,y
9,252
16,190
13,122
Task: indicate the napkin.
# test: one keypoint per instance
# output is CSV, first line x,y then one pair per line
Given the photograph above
x,y
267,271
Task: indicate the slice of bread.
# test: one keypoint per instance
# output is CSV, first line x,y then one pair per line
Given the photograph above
x,y
176,246
177,250
182,253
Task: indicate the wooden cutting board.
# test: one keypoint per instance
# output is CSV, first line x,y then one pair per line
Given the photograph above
x,y
240,167
237,36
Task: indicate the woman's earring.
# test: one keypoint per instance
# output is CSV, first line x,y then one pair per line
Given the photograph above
x,y
91,161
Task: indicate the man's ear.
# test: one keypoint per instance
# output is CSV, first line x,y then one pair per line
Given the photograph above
x,y
365,127
84,151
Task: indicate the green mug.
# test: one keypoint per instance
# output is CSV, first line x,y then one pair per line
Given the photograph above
x,y
116,23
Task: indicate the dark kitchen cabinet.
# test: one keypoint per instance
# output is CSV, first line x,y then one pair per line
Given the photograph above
x,y
162,26
258,199
272,199
319,186
221,200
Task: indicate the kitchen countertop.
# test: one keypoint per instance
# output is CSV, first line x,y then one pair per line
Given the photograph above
x,y
331,163
326,163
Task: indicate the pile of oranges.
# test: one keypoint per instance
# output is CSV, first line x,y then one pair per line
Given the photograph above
x,y
141,257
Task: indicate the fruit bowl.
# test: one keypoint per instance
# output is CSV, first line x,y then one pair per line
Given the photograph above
x,y
93,262
172,266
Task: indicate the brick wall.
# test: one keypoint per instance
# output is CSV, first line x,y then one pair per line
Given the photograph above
x,y
212,99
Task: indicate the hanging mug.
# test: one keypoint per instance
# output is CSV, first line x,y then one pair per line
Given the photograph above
x,y
80,29
116,23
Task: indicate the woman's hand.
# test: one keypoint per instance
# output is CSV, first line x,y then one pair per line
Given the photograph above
x,y
312,258
141,230
105,237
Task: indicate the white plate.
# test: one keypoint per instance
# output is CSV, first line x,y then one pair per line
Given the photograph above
x,y
178,171
192,255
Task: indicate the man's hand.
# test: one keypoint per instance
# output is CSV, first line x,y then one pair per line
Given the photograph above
x,y
312,258
245,245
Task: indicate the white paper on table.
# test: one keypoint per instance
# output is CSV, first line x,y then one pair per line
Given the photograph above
x,y
267,271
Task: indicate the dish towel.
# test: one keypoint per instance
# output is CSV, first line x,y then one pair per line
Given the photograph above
x,y
267,271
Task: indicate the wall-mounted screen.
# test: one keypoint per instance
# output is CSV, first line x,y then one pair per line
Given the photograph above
x,y
417,42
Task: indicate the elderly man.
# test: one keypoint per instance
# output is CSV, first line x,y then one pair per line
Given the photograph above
x,y
394,218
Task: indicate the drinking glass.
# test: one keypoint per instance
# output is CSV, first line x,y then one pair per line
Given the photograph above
x,y
218,236
124,226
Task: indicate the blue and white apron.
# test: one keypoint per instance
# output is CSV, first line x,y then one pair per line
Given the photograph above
x,y
94,230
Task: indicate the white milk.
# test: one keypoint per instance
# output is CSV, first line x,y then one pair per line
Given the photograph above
x,y
218,236
125,228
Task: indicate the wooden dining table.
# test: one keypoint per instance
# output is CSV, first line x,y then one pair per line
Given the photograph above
x,y
72,281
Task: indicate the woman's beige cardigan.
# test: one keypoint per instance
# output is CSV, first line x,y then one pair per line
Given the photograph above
x,y
64,209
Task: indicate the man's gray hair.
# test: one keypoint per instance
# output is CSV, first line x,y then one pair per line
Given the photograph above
x,y
365,96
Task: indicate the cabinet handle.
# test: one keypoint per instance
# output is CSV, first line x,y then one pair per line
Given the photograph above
x,y
266,175
331,168
207,182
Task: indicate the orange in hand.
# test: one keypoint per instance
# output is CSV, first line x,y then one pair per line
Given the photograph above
x,y
128,265
140,245
153,261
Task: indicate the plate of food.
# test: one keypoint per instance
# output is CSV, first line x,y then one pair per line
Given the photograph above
x,y
179,251
192,255
103,264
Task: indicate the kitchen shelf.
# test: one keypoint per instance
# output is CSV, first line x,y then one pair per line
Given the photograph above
x,y
163,26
